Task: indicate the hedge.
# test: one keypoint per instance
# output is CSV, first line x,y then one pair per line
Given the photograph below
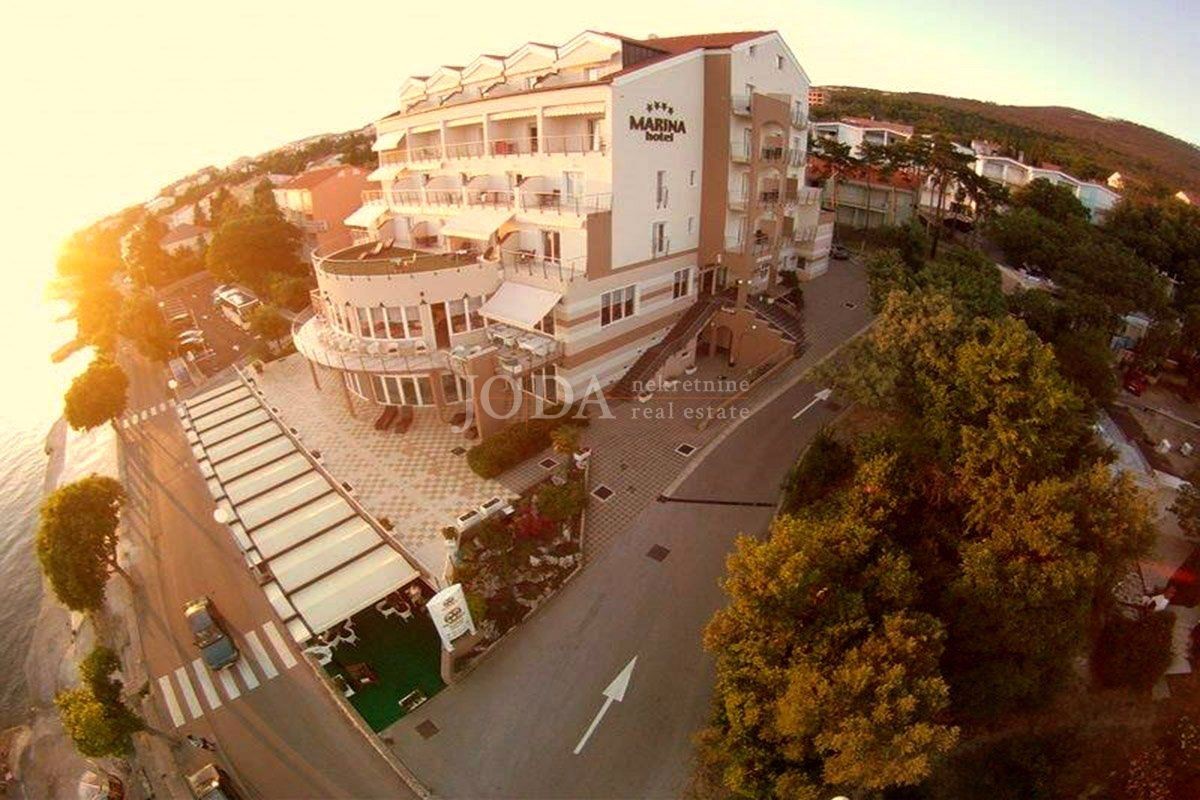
x,y
516,443
1134,653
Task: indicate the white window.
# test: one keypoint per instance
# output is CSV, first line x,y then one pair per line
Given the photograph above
x,y
617,305
593,73
681,285
692,178
778,62
660,189
551,244
691,224
659,243
753,50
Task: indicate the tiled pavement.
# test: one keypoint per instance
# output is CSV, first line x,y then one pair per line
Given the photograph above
x,y
414,480
420,485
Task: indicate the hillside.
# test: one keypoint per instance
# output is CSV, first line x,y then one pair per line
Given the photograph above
x,y
1084,144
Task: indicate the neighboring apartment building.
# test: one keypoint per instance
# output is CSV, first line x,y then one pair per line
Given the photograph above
x,y
855,131
597,210
318,200
866,197
817,96
185,237
1097,198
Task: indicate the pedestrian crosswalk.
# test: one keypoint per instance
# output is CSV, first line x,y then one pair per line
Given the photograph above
x,y
137,417
182,689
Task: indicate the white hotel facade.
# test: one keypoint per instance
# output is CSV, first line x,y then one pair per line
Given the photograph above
x,y
603,209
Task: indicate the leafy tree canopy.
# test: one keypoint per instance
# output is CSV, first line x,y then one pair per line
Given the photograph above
x,y
77,540
141,321
248,249
97,396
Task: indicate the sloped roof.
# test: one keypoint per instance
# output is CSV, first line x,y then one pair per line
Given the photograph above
x,y
698,41
314,177
182,233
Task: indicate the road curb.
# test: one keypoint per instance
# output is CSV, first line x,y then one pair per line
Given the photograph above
x,y
772,397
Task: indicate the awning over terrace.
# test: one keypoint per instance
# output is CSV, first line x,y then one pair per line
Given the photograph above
x,y
388,141
325,559
518,304
386,172
367,216
477,224
574,110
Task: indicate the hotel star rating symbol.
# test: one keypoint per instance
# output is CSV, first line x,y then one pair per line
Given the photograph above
x,y
658,105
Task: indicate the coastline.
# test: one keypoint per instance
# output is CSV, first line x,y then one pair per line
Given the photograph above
x,y
41,757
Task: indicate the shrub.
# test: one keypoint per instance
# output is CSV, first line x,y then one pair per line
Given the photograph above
x,y
1133,653
516,443
562,503
530,524
1018,766
826,463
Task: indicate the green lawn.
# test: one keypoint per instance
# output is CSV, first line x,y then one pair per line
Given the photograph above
x,y
406,656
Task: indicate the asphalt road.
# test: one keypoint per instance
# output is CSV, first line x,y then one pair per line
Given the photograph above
x,y
278,732
511,728
226,341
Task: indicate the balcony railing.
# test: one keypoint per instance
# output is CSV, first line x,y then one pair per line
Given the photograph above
x,y
739,151
373,197
772,152
465,149
444,197
396,260
527,262
741,104
319,341
756,245
406,197
737,201
769,197
490,198
557,202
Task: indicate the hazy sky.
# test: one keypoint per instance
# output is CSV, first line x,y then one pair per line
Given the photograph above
x,y
107,101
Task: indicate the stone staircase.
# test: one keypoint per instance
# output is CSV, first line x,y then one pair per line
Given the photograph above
x,y
783,317
684,329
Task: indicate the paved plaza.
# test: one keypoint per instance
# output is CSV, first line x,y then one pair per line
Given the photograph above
x,y
420,484
416,480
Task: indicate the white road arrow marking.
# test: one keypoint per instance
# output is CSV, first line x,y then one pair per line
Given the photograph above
x,y
614,692
819,397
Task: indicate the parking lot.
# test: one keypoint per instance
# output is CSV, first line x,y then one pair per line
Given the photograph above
x,y
225,342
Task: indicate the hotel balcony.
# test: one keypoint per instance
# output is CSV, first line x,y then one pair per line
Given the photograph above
x,y
741,104
373,258
737,200
457,197
526,263
574,144
325,344
773,153
739,152
518,351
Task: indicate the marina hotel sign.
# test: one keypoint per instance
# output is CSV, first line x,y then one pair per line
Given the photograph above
x,y
659,122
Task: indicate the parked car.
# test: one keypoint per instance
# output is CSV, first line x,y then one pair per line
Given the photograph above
x,y
208,633
181,321
190,333
1135,382
211,782
840,253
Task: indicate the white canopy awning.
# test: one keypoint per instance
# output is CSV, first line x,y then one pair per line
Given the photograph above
x,y
478,224
388,141
521,114
458,123
428,127
386,172
328,561
575,109
367,216
520,305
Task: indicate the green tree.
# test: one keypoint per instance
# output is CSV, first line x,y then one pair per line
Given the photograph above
x,y
1052,201
263,201
1085,359
141,321
886,271
96,396
1134,653
77,540
97,729
1187,506
149,264
290,292
823,679
1040,560
266,322
97,310
840,161
250,248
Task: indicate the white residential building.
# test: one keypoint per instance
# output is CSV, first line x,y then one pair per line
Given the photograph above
x,y
596,210
1097,198
856,131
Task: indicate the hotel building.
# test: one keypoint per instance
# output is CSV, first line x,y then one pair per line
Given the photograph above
x,y
603,210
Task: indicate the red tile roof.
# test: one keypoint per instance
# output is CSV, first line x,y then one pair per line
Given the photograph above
x,y
698,41
313,177
182,233
894,127
819,168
